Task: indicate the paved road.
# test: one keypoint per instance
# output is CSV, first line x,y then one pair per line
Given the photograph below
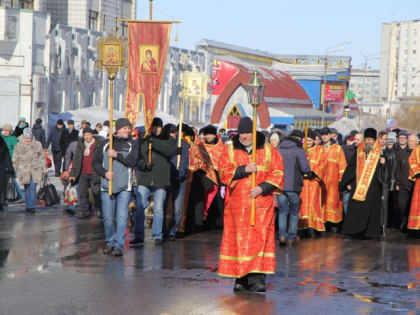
x,y
51,263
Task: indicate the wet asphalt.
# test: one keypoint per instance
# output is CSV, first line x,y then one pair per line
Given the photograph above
x,y
51,263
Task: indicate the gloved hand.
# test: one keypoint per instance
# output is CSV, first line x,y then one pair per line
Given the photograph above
x,y
149,140
177,151
149,166
310,175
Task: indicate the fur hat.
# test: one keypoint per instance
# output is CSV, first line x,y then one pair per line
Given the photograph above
x,y
157,122
370,133
209,130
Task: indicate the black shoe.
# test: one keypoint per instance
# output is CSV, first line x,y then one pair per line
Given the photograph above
x,y
179,234
83,215
172,238
70,211
137,242
30,210
158,242
107,250
241,284
335,230
117,252
312,233
257,287
57,174
282,242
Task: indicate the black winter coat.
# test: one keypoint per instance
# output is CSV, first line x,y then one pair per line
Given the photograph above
x,y
402,170
19,130
159,175
54,137
68,137
39,135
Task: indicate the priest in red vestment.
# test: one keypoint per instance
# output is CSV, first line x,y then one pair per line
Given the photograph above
x,y
248,251
311,216
336,164
414,217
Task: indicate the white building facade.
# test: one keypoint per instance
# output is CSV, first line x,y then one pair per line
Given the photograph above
x,y
400,60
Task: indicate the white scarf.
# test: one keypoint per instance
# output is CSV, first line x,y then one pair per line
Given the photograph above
x,y
87,147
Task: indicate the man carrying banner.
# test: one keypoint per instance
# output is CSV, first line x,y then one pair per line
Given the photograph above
x,y
247,251
364,175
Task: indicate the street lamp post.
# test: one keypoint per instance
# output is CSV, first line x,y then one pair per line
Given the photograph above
x,y
329,50
255,98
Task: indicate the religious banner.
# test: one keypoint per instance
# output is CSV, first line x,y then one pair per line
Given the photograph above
x,y
148,44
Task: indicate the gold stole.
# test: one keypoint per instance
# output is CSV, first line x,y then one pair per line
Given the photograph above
x,y
414,162
365,178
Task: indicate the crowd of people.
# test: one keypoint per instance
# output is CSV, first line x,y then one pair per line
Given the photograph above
x,y
359,184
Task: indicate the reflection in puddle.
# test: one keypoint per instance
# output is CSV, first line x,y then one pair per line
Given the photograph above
x,y
246,303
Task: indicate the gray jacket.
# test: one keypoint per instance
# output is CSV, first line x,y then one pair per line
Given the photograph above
x,y
122,165
295,164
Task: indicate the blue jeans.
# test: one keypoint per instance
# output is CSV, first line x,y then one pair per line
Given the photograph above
x,y
288,205
30,195
178,192
159,195
115,206
346,199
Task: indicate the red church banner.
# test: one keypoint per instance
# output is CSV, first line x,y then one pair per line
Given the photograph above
x,y
148,44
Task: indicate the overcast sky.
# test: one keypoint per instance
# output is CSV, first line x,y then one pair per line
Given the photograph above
x,y
284,27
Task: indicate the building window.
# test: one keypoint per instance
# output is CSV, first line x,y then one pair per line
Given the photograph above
x,y
93,20
104,23
124,29
414,51
27,4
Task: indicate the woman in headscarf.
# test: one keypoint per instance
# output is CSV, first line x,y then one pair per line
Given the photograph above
x,y
30,166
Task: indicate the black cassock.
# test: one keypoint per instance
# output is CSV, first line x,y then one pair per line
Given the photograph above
x,y
363,218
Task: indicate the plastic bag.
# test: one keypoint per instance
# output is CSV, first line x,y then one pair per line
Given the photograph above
x,y
70,195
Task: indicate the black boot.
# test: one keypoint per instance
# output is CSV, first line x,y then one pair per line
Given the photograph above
x,y
241,284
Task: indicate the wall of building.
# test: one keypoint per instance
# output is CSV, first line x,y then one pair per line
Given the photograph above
x,y
24,61
400,60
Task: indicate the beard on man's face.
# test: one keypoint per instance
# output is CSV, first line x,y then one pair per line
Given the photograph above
x,y
368,147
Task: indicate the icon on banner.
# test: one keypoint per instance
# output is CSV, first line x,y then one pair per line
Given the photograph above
x,y
148,56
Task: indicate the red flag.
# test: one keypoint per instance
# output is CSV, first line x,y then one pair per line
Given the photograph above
x,y
148,44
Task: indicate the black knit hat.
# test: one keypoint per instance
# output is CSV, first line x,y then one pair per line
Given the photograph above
x,y
121,123
245,125
157,122
312,134
209,130
88,130
170,128
370,133
60,122
296,133
70,122
403,133
325,131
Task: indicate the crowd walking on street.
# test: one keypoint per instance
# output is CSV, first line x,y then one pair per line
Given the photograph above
x,y
307,183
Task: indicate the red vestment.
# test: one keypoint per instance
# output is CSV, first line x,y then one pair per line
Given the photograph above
x,y
414,217
245,248
310,212
335,167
